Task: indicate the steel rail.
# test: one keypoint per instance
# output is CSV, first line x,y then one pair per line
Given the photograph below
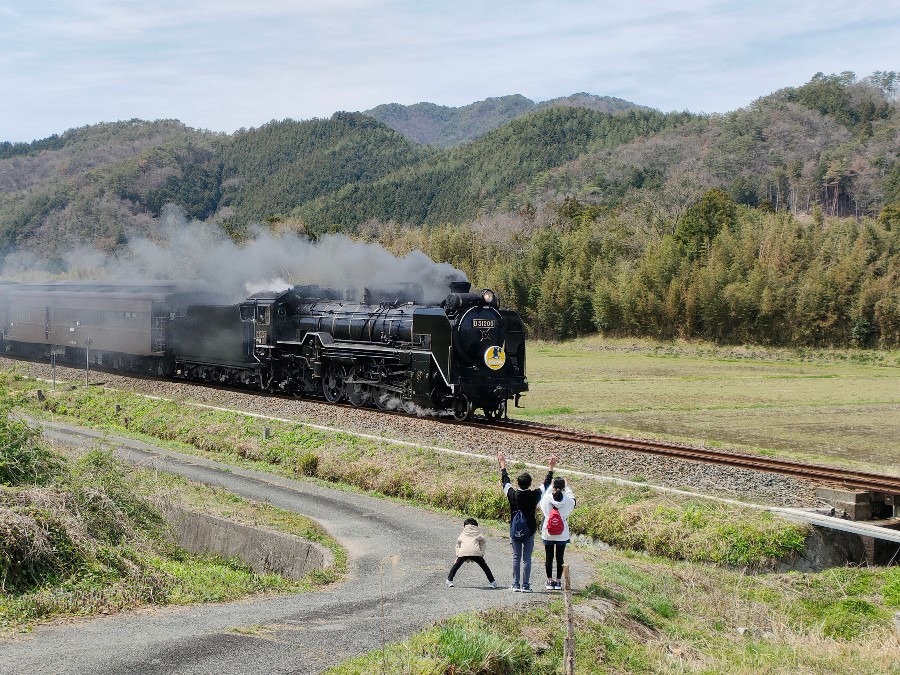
x,y
847,478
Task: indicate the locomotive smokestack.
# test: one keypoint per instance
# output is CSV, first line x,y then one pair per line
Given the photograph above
x,y
460,286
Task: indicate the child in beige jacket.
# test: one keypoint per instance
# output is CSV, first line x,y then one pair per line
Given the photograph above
x,y
470,546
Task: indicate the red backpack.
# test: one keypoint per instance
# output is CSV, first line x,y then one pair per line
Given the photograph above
x,y
555,523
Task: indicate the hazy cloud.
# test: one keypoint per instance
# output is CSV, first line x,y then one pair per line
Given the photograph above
x,y
225,65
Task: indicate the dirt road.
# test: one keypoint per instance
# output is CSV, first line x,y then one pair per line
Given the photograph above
x,y
399,557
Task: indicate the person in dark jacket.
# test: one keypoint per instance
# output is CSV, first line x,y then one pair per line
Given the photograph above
x,y
524,499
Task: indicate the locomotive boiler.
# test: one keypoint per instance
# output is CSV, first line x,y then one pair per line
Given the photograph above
x,y
387,348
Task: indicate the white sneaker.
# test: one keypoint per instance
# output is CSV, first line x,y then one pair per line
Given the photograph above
x,y
449,583
549,585
492,584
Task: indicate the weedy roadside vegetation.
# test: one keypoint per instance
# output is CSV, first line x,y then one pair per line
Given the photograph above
x,y
634,518
654,603
80,536
645,614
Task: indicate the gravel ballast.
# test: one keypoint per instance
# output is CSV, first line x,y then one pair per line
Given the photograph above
x,y
712,480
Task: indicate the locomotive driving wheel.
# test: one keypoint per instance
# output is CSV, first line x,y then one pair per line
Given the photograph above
x,y
462,408
382,398
333,384
358,393
495,412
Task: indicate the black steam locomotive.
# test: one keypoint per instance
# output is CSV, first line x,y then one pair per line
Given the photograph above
x,y
387,349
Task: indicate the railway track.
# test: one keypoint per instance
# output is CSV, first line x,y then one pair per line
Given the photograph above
x,y
825,475
816,473
845,478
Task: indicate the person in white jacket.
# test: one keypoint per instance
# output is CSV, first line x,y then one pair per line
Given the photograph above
x,y
556,505
470,545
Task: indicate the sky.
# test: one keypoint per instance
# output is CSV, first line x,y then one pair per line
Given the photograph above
x,y
224,65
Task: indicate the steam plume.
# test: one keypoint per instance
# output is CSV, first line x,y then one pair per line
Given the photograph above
x,y
194,250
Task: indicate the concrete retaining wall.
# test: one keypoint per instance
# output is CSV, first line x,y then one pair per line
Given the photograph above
x,y
826,547
266,551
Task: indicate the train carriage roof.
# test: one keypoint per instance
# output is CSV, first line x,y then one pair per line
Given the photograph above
x,y
153,290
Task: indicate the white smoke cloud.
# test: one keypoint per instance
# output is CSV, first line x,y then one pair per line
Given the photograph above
x,y
193,250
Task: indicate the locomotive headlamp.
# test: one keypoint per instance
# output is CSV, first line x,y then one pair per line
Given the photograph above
x,y
487,296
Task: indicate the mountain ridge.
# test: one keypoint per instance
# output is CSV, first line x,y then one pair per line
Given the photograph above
x,y
832,144
447,126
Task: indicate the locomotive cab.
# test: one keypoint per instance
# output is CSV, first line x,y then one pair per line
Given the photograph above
x,y
260,310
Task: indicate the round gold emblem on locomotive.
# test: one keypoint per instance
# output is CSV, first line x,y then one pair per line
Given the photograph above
x,y
495,357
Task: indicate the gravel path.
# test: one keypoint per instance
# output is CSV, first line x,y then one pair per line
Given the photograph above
x,y
399,558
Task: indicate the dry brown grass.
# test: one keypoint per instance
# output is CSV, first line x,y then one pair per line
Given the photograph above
x,y
833,406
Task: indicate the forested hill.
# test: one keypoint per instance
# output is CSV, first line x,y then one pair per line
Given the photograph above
x,y
832,142
502,171
584,218
443,126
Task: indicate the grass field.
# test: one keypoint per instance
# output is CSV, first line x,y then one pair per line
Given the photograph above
x,y
642,614
649,615
831,406
638,613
